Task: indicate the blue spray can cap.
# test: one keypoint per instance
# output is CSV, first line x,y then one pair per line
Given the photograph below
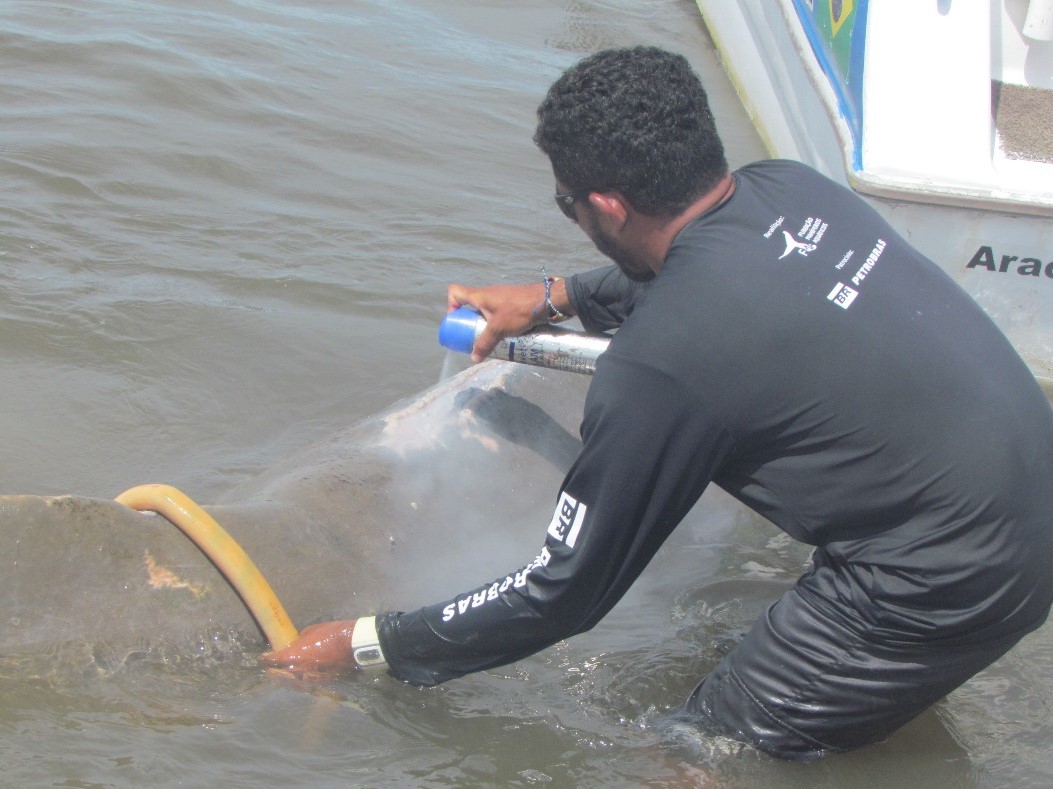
x,y
458,328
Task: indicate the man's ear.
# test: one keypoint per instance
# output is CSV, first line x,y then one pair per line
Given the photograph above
x,y
611,206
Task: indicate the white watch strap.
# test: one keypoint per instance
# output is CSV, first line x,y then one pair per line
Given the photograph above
x,y
365,645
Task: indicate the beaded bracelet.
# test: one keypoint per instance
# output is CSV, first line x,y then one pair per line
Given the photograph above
x,y
553,313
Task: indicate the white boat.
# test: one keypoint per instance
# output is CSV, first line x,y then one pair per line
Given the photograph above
x,y
939,112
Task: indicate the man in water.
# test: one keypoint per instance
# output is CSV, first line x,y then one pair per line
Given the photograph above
x,y
790,347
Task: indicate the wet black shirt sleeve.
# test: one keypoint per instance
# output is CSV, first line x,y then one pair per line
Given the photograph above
x,y
603,298
610,519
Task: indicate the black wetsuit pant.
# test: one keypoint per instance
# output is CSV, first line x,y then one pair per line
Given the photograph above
x,y
803,683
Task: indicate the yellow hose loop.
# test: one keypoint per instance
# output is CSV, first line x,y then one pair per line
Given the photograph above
x,y
223,551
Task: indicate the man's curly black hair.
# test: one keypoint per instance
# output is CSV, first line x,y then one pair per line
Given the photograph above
x,y
636,120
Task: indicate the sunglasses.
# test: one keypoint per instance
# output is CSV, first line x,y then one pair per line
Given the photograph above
x,y
566,203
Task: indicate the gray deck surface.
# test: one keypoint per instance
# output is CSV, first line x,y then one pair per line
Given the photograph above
x,y
1024,119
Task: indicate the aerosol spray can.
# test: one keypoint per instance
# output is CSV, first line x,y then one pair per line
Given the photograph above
x,y
545,346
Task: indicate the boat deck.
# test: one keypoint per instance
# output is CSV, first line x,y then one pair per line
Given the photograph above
x,y
1022,116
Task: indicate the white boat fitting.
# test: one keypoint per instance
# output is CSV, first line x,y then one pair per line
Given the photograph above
x,y
940,112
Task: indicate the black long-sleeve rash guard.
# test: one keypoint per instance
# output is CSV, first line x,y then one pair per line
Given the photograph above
x,y
796,351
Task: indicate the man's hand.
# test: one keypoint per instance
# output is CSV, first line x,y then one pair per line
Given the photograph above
x,y
320,648
509,310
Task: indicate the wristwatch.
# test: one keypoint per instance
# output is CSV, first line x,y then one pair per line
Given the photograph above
x,y
365,645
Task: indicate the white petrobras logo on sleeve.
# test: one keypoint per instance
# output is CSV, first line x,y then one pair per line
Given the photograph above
x,y
489,593
565,527
567,520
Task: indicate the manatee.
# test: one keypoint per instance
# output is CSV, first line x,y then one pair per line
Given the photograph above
x,y
438,493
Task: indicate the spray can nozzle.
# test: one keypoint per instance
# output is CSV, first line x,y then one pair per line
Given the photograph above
x,y
458,329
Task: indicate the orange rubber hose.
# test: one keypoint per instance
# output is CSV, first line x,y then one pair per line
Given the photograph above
x,y
224,552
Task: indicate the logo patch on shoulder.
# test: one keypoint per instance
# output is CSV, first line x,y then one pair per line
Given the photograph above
x,y
807,239
793,245
567,520
842,295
